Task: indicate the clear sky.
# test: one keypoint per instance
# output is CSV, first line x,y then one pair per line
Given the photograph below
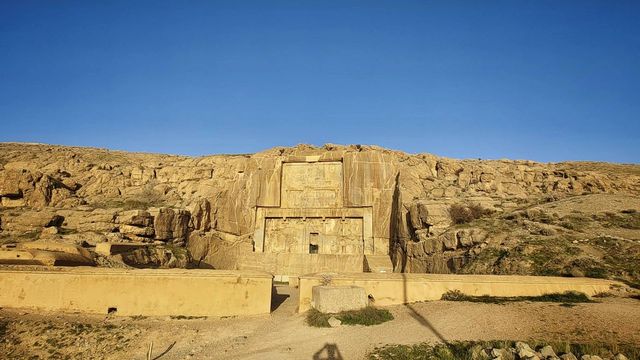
x,y
542,80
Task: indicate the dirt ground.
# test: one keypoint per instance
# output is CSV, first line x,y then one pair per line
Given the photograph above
x,y
284,335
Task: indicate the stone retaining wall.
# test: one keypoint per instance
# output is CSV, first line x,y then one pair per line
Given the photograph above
x,y
396,288
138,292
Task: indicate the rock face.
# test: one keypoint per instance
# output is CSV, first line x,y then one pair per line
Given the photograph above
x,y
172,225
288,210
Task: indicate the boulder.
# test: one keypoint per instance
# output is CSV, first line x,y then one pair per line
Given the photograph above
x,y
12,183
201,217
501,354
464,238
51,230
449,240
140,218
418,215
547,352
130,230
334,322
590,357
525,352
171,224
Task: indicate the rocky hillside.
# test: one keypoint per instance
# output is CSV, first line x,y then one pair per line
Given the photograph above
x,y
439,214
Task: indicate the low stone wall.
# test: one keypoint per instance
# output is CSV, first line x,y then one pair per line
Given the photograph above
x,y
149,292
395,288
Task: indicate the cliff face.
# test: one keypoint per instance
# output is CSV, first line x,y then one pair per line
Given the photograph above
x,y
210,204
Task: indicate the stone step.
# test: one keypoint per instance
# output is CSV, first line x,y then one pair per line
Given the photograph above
x,y
378,264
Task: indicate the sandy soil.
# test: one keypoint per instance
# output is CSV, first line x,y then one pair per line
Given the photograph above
x,y
283,334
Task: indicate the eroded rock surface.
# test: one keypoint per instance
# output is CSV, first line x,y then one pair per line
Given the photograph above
x,y
219,207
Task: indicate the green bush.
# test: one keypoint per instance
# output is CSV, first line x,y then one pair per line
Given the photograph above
x,y
367,317
565,297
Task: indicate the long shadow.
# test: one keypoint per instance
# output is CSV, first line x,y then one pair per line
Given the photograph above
x,y
165,352
277,299
416,315
332,353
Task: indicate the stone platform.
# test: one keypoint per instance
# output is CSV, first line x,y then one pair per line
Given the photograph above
x,y
148,292
396,288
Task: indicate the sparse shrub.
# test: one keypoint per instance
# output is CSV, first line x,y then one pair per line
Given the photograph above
x,y
367,317
455,295
462,214
565,297
574,222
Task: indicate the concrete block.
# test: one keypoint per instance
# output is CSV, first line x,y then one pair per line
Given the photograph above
x,y
334,299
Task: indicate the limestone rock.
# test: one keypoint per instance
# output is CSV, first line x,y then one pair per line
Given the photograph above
x,y
51,230
449,240
547,352
419,215
501,354
202,215
590,357
406,198
171,224
525,352
334,322
140,218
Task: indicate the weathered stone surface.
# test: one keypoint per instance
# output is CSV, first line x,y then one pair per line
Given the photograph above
x,y
334,322
202,215
140,218
46,253
449,240
402,199
547,352
136,230
525,352
335,299
171,224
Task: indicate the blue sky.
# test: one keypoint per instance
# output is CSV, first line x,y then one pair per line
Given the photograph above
x,y
541,80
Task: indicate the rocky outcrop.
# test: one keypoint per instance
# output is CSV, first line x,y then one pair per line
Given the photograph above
x,y
172,225
209,203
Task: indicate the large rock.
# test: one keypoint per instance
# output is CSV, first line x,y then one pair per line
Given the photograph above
x,y
170,224
140,218
547,352
525,352
202,215
335,299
